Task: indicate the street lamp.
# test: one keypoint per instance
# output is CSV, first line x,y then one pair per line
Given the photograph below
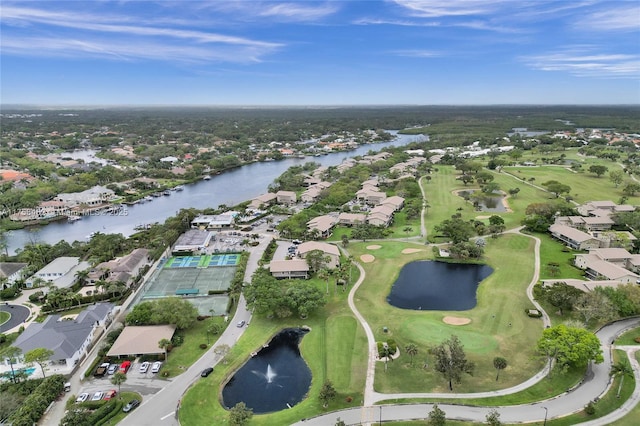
x,y
381,414
545,415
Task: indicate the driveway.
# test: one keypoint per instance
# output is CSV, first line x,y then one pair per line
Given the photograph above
x,y
19,315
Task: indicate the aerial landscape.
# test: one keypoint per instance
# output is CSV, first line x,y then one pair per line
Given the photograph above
x,y
319,213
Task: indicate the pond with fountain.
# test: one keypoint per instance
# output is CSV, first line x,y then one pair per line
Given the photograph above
x,y
437,286
274,378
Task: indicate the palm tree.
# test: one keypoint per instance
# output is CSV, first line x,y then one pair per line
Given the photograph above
x,y
385,352
11,353
118,379
622,369
324,274
412,350
81,276
408,230
500,364
164,344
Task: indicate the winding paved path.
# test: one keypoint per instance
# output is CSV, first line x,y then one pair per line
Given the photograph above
x,y
596,382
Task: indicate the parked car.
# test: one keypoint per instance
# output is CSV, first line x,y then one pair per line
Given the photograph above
x,y
110,394
156,366
101,370
144,367
97,396
241,323
82,397
131,405
124,367
113,368
206,372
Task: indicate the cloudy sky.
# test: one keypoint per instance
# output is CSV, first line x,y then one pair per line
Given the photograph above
x,y
218,52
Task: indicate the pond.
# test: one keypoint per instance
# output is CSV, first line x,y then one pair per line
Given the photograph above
x,y
437,286
491,202
274,379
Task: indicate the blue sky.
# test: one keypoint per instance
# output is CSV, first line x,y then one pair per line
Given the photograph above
x,y
320,53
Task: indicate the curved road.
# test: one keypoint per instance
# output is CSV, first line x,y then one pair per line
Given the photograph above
x,y
19,315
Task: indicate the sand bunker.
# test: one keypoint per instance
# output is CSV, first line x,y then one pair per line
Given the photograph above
x,y
367,258
456,320
410,250
374,247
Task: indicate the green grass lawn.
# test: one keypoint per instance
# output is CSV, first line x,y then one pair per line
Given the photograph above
x,y
4,317
126,397
627,338
500,303
183,356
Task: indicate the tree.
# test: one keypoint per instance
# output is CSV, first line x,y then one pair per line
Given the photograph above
x,y
316,259
493,418
451,360
345,240
118,379
222,351
240,414
569,346
562,296
598,170
496,224
594,305
11,353
164,345
630,189
412,350
327,393
39,356
305,298
385,351
616,177
457,229
514,192
407,230
340,422
622,369
499,363
324,274
556,187
437,417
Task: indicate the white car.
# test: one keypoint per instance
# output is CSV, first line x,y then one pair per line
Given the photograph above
x,y
144,367
82,397
156,366
97,396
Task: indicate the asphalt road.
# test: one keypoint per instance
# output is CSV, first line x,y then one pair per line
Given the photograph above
x,y
18,316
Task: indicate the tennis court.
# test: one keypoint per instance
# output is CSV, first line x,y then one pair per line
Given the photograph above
x,y
211,305
185,281
206,261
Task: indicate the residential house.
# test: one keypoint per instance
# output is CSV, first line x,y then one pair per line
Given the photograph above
x,y
395,202
91,197
371,196
262,201
574,238
351,219
381,215
583,285
323,224
12,271
69,339
603,208
329,250
311,194
294,268
123,269
60,272
286,197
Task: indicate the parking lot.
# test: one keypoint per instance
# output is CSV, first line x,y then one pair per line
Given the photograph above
x,y
143,383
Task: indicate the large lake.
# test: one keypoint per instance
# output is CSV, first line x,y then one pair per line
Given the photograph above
x,y
437,286
230,188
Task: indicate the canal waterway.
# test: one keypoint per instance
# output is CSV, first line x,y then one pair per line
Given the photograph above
x,y
229,188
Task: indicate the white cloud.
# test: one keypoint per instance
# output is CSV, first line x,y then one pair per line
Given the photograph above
x,y
418,53
439,8
138,41
585,62
617,17
298,11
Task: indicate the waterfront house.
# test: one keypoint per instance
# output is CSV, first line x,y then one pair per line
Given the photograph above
x,y
61,272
